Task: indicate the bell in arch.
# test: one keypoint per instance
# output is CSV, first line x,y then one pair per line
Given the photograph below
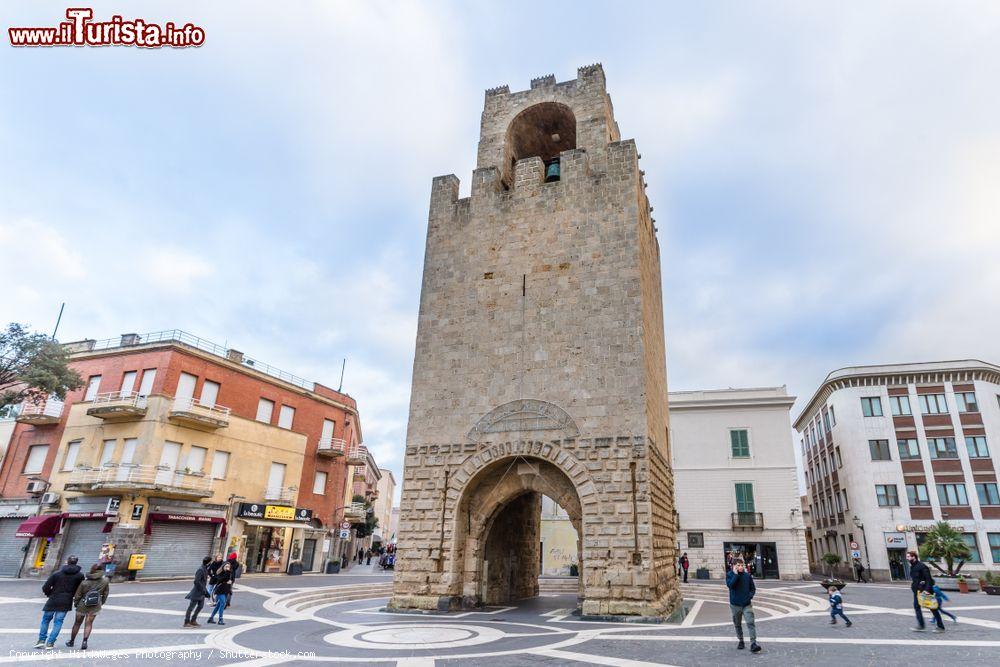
x,y
552,171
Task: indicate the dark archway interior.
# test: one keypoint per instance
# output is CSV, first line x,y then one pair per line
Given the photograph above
x,y
543,130
511,557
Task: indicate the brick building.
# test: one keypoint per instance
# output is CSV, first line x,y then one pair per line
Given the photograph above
x,y
889,450
175,447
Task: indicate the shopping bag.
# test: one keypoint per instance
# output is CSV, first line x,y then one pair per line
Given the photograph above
x,y
927,600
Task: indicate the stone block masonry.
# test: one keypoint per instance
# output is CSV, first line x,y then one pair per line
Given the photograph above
x,y
540,366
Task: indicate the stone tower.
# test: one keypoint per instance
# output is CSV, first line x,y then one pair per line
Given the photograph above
x,y
539,366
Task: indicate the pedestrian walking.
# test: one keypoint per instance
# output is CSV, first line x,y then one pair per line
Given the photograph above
x,y
223,587
235,571
837,607
59,588
368,557
922,582
941,598
859,571
198,594
741,592
89,598
685,563
361,554
213,571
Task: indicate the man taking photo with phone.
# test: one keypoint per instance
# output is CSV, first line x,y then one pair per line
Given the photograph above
x,y
741,592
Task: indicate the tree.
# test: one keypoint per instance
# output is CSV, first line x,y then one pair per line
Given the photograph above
x,y
831,559
942,542
33,367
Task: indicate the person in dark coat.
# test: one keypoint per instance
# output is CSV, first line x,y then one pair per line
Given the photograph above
x,y
685,563
235,570
213,571
59,588
89,598
859,571
198,594
741,592
223,587
922,581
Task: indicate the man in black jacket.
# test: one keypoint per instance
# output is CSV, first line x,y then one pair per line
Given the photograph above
x,y
198,594
59,589
921,580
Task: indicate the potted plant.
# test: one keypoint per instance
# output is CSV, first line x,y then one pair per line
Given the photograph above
x,y
942,542
701,573
831,560
963,585
992,586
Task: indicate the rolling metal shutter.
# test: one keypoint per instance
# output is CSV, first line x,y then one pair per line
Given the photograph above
x,y
175,549
11,548
84,540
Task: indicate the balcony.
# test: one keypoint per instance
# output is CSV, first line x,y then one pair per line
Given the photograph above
x,y
355,512
40,414
331,447
118,406
748,520
280,495
357,455
360,473
128,478
191,412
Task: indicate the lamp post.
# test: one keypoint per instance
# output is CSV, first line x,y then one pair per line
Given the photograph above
x,y
864,538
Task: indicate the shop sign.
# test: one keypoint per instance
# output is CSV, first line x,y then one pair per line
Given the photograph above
x,y
113,505
895,540
137,561
194,518
278,512
85,515
137,511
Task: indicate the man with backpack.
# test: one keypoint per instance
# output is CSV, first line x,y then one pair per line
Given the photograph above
x,y
59,588
90,597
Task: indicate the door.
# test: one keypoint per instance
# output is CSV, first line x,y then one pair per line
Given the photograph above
x,y
168,463
308,554
175,549
275,480
146,387
209,393
126,464
128,383
84,539
899,567
769,558
10,547
185,387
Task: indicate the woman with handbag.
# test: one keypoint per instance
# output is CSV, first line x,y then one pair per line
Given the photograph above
x,y
922,585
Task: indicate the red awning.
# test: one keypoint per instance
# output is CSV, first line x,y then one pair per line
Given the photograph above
x,y
43,525
183,518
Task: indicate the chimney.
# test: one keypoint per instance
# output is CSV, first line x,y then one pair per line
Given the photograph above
x,y
130,339
235,356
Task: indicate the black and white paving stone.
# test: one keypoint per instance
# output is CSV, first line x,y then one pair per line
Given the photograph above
x,y
339,619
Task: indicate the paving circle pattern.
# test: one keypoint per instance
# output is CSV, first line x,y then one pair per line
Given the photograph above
x,y
414,636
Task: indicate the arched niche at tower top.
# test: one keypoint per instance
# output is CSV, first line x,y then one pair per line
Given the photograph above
x,y
542,130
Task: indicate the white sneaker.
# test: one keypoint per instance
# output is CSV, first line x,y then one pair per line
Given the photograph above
x,y
40,644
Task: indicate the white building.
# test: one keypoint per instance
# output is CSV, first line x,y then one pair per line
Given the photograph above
x,y
383,505
735,481
889,450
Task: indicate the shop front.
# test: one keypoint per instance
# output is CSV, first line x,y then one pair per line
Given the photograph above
x,y
176,543
271,536
12,548
895,547
761,558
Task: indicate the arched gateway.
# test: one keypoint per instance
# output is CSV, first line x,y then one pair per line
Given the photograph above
x,y
539,367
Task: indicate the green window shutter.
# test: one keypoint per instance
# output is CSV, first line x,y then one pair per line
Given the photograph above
x,y
740,443
744,497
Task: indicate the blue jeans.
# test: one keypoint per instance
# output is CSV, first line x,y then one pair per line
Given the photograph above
x,y
834,613
54,617
220,605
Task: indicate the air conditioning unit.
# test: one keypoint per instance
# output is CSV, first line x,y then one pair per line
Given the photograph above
x,y
37,487
50,498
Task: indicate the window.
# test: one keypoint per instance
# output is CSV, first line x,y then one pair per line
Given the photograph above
x,y
185,387
900,405
994,539
826,422
107,452
879,450
967,401
833,417
744,497
908,448
970,540
840,507
697,540
319,483
942,448
72,451
146,386
886,494
840,461
209,393
264,410
976,444
128,450
220,461
916,495
128,382
276,477
822,466
847,505
933,404
871,406
952,494
196,459
36,459
328,428
93,385
286,416
987,492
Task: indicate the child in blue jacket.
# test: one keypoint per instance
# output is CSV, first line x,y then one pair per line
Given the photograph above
x,y
837,606
941,597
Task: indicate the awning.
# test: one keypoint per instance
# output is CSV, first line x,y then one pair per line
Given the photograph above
x,y
273,524
183,518
376,537
43,525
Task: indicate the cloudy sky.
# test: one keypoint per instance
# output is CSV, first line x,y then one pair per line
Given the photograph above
x,y
825,178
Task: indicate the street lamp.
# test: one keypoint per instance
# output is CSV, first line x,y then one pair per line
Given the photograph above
x,y
864,537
